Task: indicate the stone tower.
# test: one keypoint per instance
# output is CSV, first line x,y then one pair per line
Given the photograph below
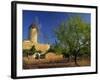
x,y
33,40
33,33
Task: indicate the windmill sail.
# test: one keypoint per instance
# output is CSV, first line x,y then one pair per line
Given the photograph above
x,y
39,25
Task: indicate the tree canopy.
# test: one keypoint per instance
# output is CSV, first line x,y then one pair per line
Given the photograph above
x,y
74,36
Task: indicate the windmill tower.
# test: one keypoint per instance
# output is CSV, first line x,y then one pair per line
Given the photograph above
x,y
33,33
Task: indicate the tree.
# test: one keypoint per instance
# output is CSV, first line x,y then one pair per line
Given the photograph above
x,y
55,48
73,36
31,51
25,52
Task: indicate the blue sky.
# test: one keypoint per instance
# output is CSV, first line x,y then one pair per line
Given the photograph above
x,y
48,21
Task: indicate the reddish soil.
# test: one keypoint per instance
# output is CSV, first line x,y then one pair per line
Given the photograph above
x,y
44,63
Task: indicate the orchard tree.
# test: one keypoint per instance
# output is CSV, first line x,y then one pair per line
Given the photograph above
x,y
74,37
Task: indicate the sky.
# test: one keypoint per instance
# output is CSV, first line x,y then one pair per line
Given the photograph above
x,y
48,21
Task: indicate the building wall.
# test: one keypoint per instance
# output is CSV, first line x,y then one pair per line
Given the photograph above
x,y
27,44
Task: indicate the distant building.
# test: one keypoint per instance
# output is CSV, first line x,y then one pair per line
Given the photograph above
x,y
33,40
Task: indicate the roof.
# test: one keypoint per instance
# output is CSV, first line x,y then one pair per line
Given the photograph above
x,y
33,25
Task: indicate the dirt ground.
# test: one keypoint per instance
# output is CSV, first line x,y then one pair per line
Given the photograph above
x,y
44,63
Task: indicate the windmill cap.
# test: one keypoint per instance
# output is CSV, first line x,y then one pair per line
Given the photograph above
x,y
33,25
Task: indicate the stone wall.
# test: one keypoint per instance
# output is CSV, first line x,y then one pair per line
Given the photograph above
x,y
27,44
39,47
53,57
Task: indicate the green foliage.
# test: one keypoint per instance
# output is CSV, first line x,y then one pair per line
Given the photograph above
x,y
74,36
51,49
31,51
26,52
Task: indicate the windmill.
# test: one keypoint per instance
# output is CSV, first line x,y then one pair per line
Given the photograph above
x,y
40,33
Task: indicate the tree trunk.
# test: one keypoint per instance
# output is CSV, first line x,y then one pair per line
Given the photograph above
x,y
76,55
68,58
75,59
